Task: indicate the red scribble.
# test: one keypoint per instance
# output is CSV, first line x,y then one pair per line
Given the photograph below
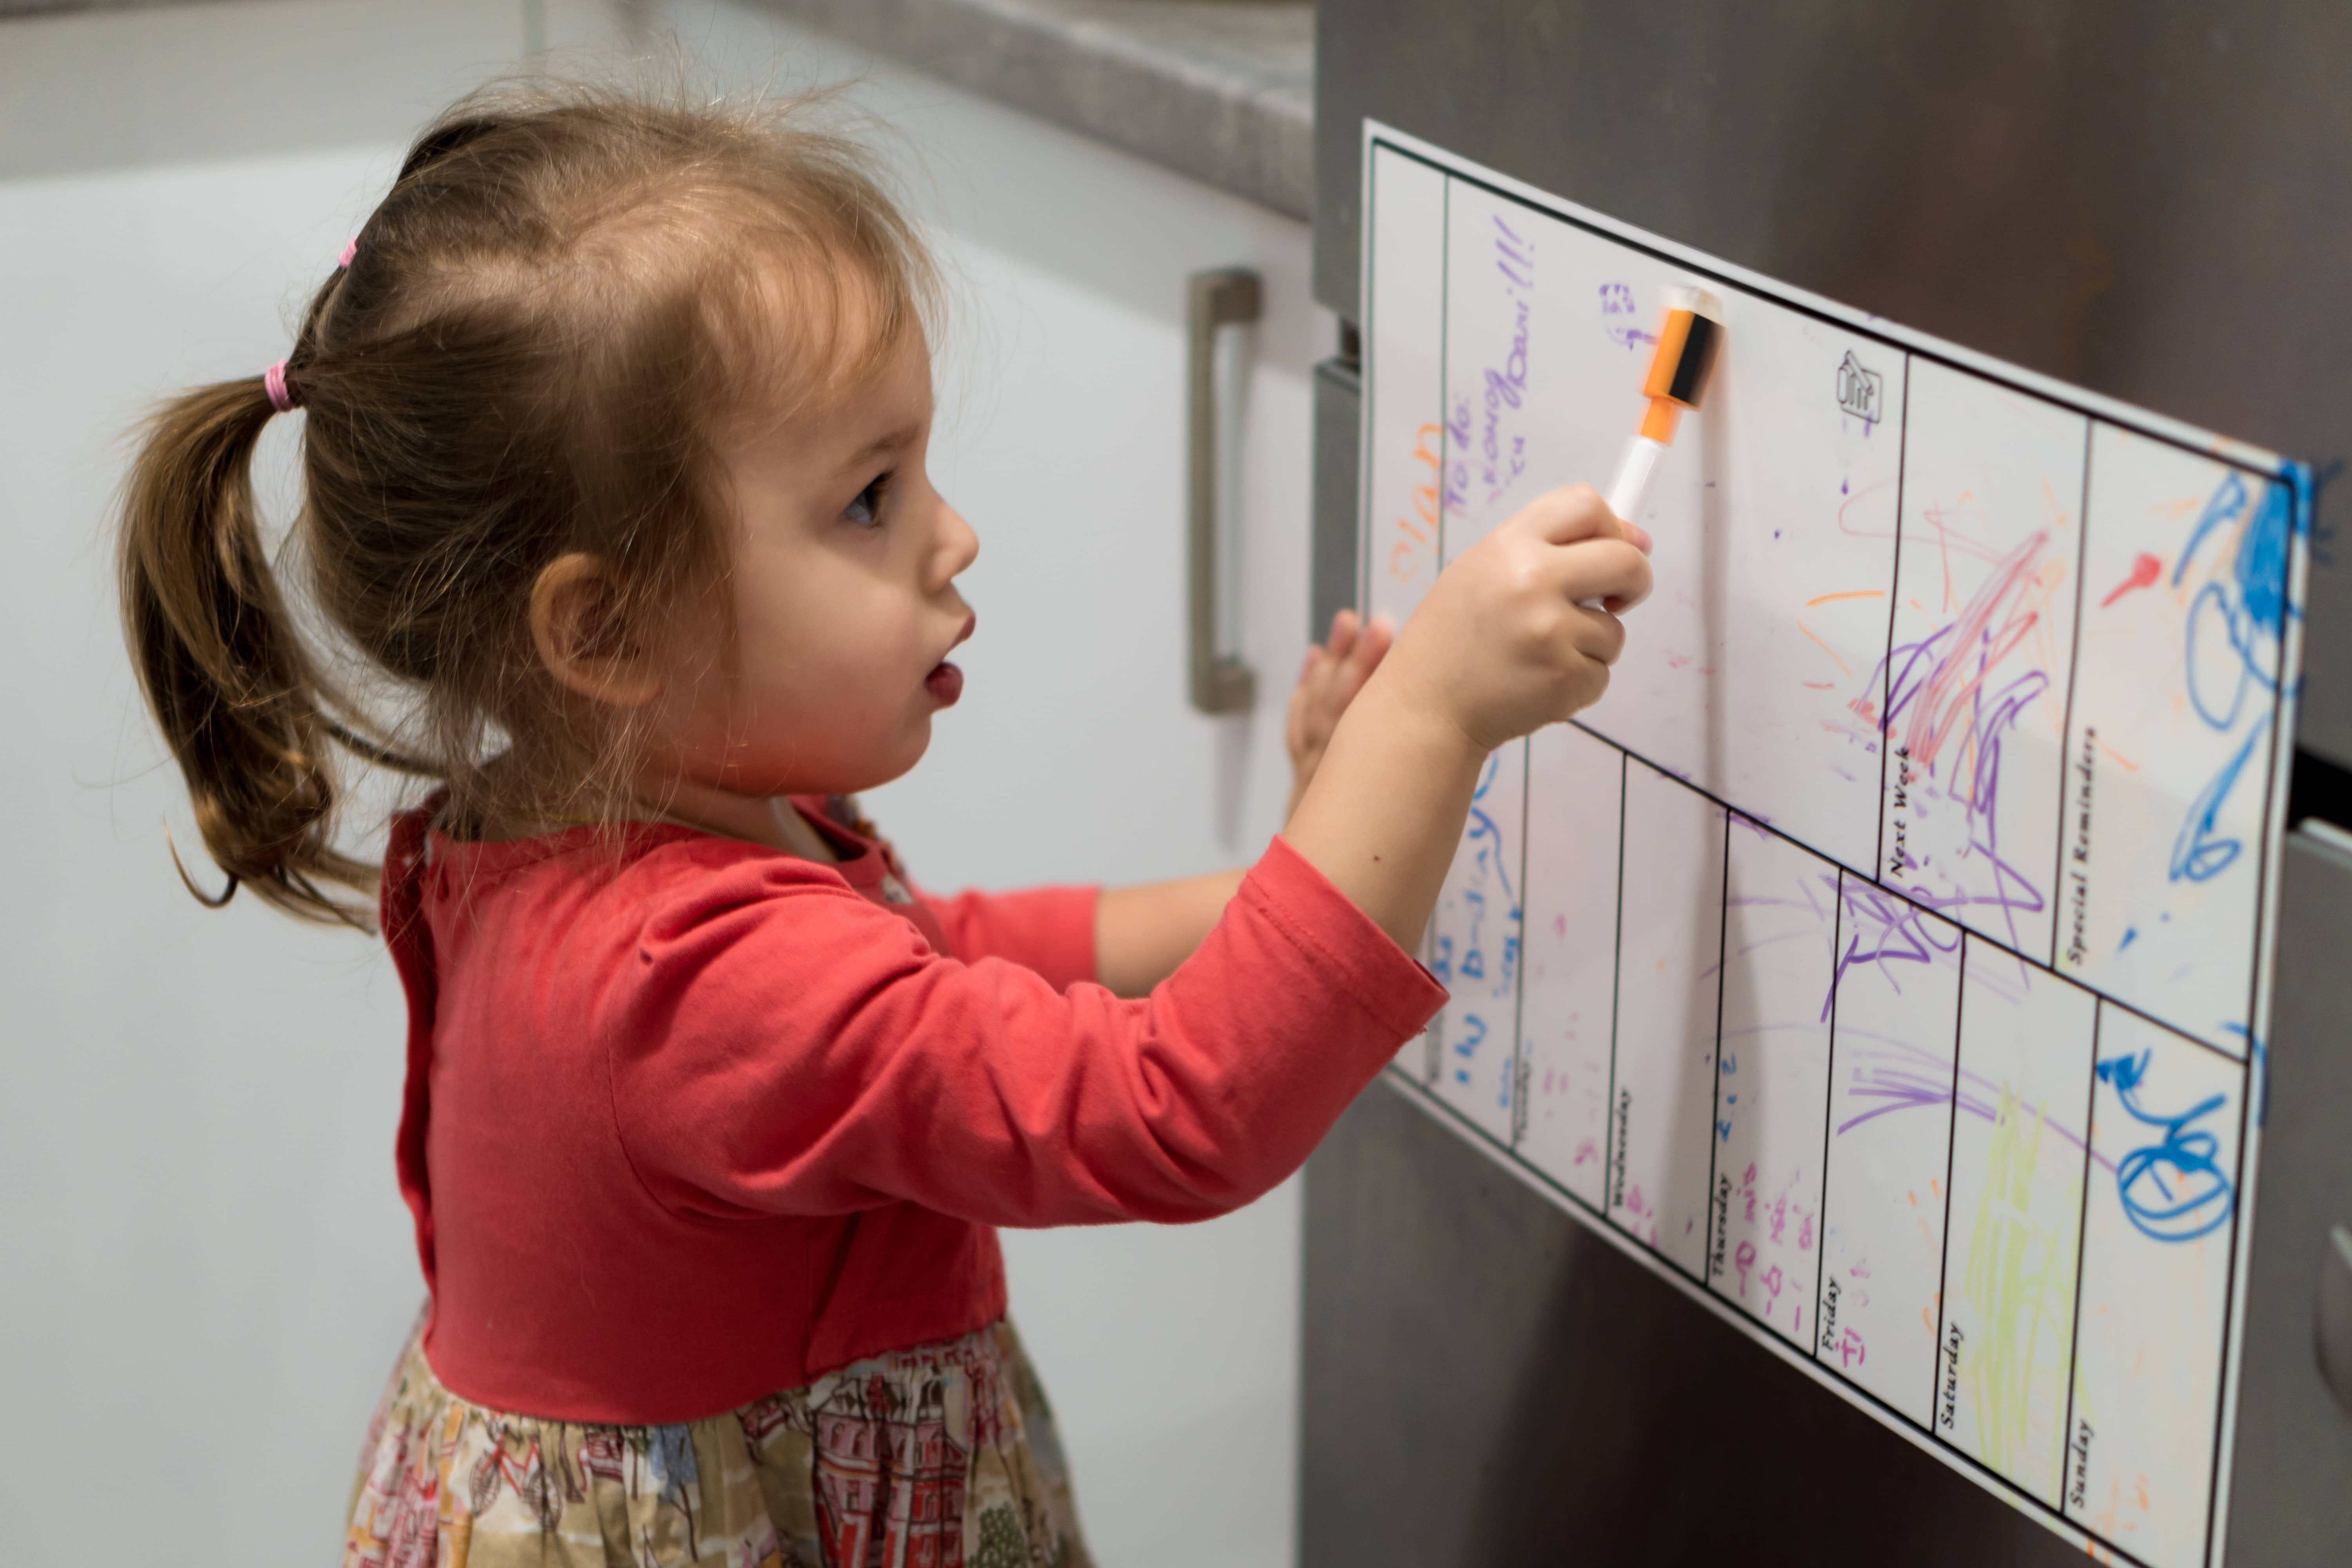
x,y
2145,571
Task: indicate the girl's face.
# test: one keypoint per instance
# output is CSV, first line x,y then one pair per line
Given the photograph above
x,y
841,588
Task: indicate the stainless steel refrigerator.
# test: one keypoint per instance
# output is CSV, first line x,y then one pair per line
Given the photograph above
x,y
2151,198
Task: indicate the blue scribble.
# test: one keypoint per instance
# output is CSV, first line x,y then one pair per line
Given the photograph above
x,y
1469,1047
2197,1198
1484,833
2198,852
1477,948
2249,609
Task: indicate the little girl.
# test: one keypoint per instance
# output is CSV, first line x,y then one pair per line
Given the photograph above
x,y
614,482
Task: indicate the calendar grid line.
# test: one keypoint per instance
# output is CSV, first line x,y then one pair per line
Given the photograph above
x,y
1829,1101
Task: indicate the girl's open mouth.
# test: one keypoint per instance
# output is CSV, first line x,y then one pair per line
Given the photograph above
x,y
945,683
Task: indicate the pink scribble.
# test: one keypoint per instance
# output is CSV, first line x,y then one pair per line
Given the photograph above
x,y
1948,698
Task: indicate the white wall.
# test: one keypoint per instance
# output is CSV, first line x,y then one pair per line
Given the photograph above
x,y
204,1264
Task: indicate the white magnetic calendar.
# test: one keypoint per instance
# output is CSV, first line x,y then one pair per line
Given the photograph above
x,y
1885,958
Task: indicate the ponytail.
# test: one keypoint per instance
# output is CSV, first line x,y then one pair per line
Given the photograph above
x,y
534,347
231,685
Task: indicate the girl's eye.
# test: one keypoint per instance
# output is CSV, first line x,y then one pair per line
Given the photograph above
x,y
865,510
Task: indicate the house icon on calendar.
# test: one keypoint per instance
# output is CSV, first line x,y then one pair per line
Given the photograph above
x,y
1860,390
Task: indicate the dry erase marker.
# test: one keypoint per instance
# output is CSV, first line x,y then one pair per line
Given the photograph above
x,y
1679,372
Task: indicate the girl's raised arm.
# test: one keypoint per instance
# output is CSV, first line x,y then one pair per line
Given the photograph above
x,y
1508,640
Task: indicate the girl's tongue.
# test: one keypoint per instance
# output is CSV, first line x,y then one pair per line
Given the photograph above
x,y
945,683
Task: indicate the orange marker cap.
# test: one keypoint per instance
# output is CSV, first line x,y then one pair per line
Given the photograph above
x,y
1679,370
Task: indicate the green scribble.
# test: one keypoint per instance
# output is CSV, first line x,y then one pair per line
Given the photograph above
x,y
2020,1280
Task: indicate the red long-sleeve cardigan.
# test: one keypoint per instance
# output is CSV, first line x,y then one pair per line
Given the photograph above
x,y
688,1120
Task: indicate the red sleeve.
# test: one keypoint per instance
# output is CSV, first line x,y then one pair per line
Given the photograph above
x,y
1049,930
784,1047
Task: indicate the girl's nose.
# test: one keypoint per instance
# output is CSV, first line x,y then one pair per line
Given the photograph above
x,y
959,546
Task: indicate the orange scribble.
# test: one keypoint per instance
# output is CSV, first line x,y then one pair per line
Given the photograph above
x,y
1823,686
2120,760
1849,593
1405,563
1826,648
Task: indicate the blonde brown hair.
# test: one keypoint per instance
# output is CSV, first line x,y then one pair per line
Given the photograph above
x,y
544,332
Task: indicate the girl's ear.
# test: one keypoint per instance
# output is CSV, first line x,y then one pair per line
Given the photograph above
x,y
581,626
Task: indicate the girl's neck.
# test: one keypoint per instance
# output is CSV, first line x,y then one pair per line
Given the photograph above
x,y
768,820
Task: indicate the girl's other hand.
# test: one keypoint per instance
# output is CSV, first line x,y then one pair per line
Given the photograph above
x,y
1334,672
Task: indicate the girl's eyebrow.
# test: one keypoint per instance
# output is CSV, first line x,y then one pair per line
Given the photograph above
x,y
882,447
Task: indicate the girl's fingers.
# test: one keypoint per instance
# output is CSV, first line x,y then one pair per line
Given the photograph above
x,y
1371,647
1609,571
1597,633
1344,628
1570,513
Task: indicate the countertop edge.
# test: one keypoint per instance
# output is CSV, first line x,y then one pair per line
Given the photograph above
x,y
1247,132
1223,93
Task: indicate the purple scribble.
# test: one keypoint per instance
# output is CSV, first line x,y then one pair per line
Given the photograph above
x,y
1950,707
1893,1075
1887,933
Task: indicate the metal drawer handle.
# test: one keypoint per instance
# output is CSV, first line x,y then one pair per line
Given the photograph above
x,y
2334,1323
1227,296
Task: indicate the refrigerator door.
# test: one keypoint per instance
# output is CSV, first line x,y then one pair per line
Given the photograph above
x,y
2151,202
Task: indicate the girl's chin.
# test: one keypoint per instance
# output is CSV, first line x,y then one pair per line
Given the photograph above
x,y
945,683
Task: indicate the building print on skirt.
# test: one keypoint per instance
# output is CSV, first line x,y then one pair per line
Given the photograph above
x,y
879,1469
938,1457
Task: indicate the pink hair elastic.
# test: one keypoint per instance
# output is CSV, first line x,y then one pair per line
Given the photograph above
x,y
273,380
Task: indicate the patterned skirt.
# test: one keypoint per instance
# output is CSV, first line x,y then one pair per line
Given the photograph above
x,y
943,1456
